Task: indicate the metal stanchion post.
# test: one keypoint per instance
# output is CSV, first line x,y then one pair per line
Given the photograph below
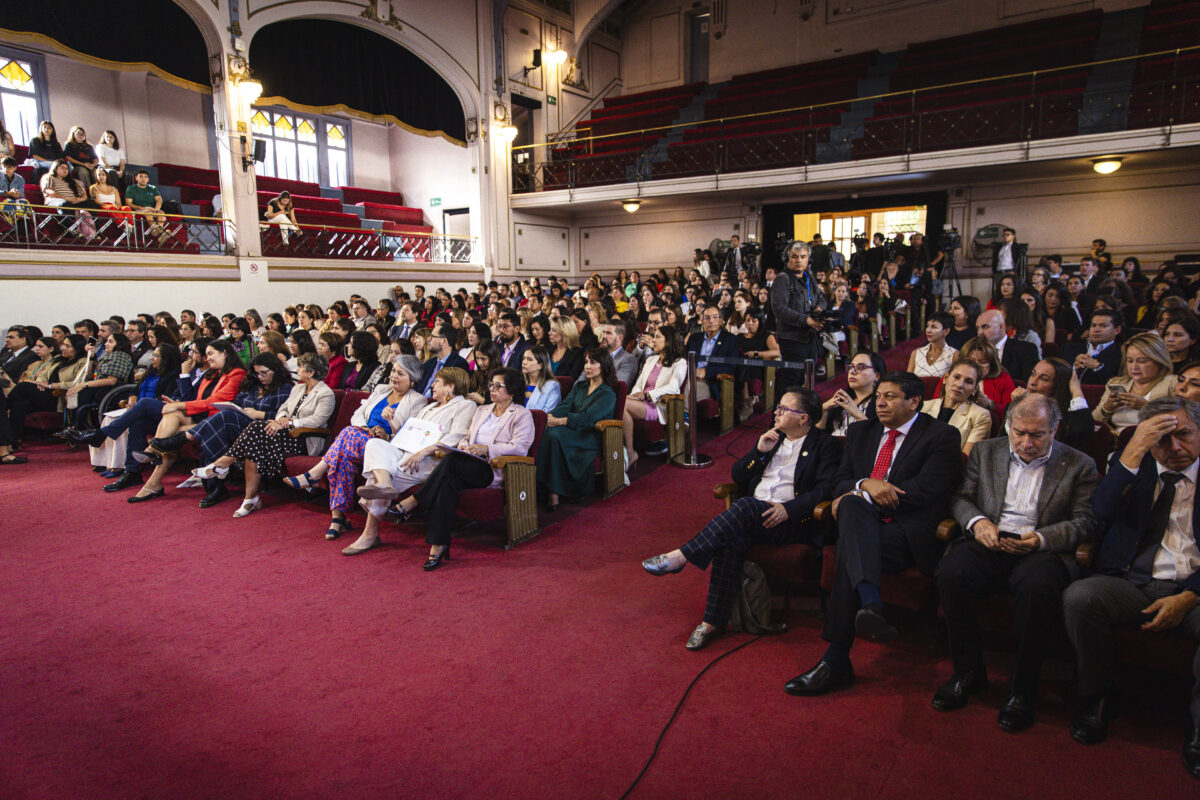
x,y
692,460
810,373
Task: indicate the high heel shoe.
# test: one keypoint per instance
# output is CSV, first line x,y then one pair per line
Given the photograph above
x,y
433,562
248,507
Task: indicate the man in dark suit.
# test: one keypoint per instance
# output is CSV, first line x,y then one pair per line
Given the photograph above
x,y
1024,505
443,356
789,470
1089,273
1098,360
893,488
1148,567
1017,357
408,319
18,353
737,259
712,340
876,255
796,297
510,341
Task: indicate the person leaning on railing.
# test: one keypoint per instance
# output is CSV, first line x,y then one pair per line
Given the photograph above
x,y
108,198
13,204
143,198
61,190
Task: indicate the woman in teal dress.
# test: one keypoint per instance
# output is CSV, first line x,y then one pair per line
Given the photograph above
x,y
566,458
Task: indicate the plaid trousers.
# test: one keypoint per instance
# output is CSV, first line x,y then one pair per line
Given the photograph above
x,y
723,543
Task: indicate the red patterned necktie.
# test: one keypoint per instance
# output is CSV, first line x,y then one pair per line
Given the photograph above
x,y
883,462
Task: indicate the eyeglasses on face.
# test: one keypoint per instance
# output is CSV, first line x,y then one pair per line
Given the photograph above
x,y
785,408
857,367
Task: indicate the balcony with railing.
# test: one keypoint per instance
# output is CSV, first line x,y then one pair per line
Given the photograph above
x,y
1051,103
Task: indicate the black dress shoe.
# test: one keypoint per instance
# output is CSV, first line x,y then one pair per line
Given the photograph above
x,y
169,444
90,438
1191,752
1090,725
99,469
952,695
145,497
215,495
433,562
127,479
822,678
871,624
1016,714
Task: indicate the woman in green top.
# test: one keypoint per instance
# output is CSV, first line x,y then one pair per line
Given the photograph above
x,y
567,455
242,339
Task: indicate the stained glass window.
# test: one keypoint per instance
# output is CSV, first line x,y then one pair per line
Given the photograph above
x,y
19,92
297,150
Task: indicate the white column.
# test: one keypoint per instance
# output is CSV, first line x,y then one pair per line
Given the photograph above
x,y
238,198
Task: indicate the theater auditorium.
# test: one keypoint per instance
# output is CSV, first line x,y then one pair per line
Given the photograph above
x,y
600,399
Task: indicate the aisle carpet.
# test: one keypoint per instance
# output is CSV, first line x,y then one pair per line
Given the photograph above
x,y
158,650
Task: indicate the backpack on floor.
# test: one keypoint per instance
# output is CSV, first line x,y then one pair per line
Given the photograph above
x,y
752,611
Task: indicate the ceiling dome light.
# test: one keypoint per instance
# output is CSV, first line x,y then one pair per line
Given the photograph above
x,y
1107,165
631,205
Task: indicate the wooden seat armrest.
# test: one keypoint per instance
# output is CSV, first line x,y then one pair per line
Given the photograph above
x,y
504,461
666,398
723,490
947,530
298,432
725,377
824,511
608,423
1085,554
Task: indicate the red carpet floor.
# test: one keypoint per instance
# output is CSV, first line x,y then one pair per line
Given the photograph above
x,y
158,650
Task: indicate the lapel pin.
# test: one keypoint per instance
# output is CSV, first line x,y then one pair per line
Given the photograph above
x,y
804,453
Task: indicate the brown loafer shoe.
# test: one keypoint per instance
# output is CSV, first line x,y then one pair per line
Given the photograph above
x,y
375,491
701,637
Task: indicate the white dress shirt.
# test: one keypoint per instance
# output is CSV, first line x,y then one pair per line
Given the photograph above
x,y
1018,512
1000,347
1004,259
1178,557
903,430
777,484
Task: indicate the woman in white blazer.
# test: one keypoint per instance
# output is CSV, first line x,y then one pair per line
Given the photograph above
x,y
501,428
957,407
264,445
385,464
380,416
663,373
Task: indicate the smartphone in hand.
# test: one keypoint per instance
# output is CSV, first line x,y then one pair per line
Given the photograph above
x,y
1009,535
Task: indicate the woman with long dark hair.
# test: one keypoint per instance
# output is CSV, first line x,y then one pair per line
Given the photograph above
x,y
1056,379
965,310
663,373
44,149
569,446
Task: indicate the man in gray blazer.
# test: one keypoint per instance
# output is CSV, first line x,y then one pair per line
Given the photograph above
x,y
613,340
1024,504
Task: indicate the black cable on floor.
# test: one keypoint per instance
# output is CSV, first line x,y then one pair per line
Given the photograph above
x,y
675,713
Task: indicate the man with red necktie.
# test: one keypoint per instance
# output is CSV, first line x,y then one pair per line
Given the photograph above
x,y
894,485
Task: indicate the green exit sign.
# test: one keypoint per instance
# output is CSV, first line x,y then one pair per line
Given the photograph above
x,y
434,202
551,100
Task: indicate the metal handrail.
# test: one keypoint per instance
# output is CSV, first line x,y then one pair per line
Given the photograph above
x,y
904,93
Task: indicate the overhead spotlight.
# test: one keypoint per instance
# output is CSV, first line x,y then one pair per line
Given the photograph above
x,y
631,205
556,56
1107,165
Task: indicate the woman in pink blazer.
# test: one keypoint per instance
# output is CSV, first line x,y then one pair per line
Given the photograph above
x,y
503,427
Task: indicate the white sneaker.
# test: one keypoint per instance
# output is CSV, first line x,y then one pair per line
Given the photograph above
x,y
253,504
210,471
191,482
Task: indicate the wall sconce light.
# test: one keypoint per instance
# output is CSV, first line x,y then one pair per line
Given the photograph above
x,y
1107,165
248,91
631,205
537,62
557,56
509,132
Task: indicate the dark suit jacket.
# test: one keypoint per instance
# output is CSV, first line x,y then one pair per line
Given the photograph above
x,y
813,481
730,262
1123,502
1064,504
1109,358
927,468
519,348
15,366
1019,358
726,347
453,360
